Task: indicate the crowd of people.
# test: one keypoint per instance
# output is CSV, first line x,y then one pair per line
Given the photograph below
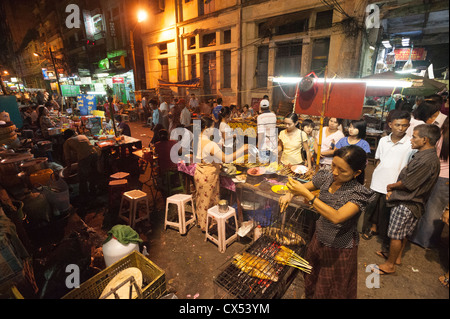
x,y
407,197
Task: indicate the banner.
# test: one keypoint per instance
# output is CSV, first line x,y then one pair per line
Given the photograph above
x,y
70,90
344,100
86,103
418,54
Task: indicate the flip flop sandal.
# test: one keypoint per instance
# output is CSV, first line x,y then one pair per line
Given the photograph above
x,y
369,235
381,272
385,255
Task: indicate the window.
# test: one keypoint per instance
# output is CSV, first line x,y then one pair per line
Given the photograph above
x,y
191,43
226,36
164,69
288,59
321,48
324,19
193,66
262,66
209,40
162,48
292,27
226,69
205,6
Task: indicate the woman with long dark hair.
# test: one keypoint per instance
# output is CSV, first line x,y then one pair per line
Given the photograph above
x,y
206,177
333,250
429,227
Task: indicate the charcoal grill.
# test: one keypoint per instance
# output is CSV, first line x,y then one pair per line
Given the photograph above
x,y
232,282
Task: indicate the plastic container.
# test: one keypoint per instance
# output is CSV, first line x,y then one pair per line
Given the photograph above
x,y
113,251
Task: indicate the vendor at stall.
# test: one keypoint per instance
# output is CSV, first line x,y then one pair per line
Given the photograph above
x,y
292,142
206,176
78,149
330,136
333,250
44,121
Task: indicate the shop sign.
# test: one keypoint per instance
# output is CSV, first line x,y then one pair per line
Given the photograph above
x,y
70,90
418,54
118,80
48,75
113,54
89,24
86,103
86,80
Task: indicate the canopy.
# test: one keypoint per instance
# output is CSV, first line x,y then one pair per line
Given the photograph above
x,y
421,86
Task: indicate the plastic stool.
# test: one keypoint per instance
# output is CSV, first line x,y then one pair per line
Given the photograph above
x,y
180,200
116,189
119,175
134,197
170,188
221,241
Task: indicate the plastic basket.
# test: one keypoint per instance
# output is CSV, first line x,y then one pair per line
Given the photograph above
x,y
153,277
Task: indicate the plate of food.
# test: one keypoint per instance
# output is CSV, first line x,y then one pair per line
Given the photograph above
x,y
256,171
279,189
299,169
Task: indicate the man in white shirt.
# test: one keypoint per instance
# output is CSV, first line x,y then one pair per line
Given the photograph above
x,y
193,103
267,133
393,153
185,117
436,118
164,107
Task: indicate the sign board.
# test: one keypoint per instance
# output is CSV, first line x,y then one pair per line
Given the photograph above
x,y
117,80
418,54
70,90
345,100
86,103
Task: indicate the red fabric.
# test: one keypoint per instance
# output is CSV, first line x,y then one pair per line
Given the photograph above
x,y
345,100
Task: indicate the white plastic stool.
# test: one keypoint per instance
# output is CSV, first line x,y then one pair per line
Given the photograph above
x,y
133,197
180,200
221,241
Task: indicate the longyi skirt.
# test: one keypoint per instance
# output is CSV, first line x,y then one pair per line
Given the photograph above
x,y
334,274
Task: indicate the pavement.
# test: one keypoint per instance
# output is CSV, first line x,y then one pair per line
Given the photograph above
x,y
191,264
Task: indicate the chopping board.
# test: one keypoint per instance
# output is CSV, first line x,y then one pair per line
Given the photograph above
x,y
124,291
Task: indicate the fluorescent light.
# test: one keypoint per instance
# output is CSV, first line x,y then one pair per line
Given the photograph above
x,y
98,93
406,71
386,44
405,42
369,82
102,75
372,48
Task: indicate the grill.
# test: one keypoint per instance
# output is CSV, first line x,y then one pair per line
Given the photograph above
x,y
232,282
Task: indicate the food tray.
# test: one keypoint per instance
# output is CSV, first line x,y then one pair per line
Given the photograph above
x,y
154,279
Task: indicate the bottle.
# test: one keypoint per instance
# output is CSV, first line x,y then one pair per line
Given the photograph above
x,y
257,232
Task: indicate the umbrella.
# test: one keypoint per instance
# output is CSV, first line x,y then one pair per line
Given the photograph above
x,y
421,86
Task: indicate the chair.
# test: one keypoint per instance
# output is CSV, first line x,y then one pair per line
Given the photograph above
x,y
133,197
180,200
222,222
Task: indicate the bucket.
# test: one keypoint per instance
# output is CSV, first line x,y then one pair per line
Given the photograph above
x,y
113,251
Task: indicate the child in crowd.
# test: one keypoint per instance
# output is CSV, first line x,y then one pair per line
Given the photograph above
x,y
356,136
308,127
409,194
392,155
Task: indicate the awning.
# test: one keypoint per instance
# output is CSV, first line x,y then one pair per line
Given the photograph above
x,y
194,83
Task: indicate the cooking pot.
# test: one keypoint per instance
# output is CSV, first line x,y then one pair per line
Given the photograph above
x,y
11,165
34,165
223,206
54,131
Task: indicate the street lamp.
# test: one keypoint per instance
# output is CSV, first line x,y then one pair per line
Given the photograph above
x,y
141,16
